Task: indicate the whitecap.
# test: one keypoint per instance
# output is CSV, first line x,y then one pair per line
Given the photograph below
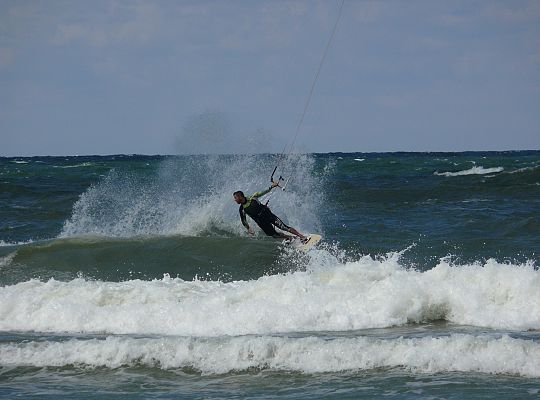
x,y
329,296
457,352
472,171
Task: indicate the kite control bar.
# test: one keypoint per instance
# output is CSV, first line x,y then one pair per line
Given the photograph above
x,y
279,179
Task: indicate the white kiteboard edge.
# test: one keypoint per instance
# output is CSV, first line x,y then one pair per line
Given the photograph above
x,y
313,240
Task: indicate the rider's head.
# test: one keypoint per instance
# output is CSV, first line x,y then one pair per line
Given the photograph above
x,y
239,197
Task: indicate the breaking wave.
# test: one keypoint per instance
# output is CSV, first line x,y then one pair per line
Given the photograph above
x,y
328,296
457,352
472,171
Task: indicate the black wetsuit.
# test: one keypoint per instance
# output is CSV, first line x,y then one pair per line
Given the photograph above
x,y
262,215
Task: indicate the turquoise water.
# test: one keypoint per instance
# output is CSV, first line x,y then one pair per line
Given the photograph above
x,y
131,276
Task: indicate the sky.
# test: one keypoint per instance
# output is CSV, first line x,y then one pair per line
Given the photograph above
x,y
168,77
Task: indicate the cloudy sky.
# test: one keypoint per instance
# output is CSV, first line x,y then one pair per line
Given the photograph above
x,y
165,77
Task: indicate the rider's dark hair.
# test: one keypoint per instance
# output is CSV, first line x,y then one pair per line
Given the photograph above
x,y
239,192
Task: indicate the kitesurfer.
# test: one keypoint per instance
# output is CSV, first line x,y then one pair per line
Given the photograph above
x,y
261,214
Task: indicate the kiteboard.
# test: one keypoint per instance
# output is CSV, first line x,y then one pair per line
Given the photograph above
x,y
313,240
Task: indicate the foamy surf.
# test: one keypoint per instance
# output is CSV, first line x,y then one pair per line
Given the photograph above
x,y
85,164
9,244
476,170
364,294
457,352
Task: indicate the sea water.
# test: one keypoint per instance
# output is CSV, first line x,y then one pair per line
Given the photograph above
x,y
132,276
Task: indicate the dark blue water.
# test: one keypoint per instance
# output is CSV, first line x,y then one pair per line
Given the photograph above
x,y
137,268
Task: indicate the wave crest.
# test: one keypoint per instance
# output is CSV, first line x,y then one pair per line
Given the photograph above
x,y
476,170
458,352
363,294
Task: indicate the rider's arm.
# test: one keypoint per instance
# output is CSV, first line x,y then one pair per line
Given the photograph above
x,y
243,219
263,192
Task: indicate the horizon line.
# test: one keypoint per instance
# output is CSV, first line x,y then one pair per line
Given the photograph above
x,y
275,154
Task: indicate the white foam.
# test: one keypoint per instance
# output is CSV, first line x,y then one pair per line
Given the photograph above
x,y
472,171
329,297
465,353
192,196
84,164
6,260
4,244
525,169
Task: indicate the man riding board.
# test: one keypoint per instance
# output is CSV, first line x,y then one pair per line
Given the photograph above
x,y
261,214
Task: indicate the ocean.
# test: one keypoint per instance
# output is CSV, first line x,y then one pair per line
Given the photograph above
x,y
131,276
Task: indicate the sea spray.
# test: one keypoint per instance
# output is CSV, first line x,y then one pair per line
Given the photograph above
x,y
193,196
217,132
